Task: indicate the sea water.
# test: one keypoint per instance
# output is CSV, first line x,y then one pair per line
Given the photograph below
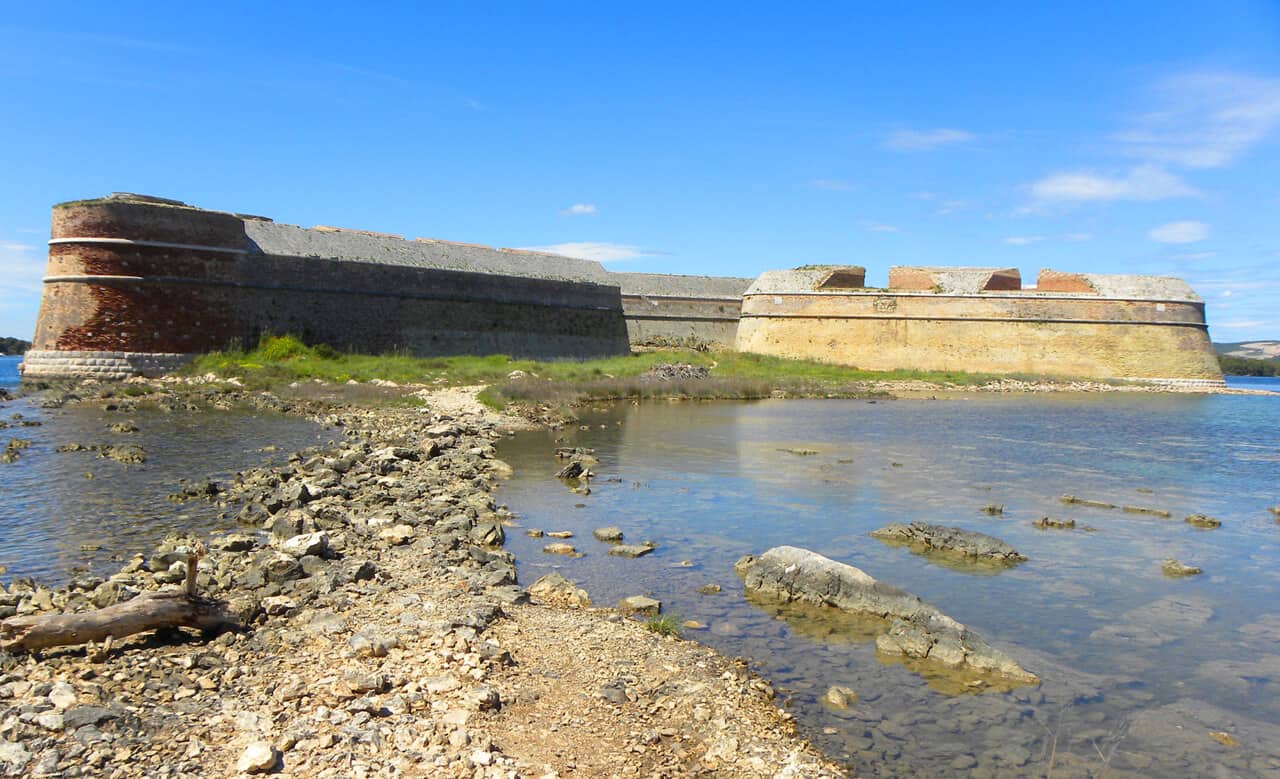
x,y
1141,674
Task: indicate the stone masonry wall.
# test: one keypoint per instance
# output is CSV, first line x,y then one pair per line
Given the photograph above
x,y
681,310
130,276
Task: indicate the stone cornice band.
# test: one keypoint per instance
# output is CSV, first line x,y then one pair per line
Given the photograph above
x,y
149,244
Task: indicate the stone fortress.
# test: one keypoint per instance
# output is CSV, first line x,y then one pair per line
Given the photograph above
x,y
137,284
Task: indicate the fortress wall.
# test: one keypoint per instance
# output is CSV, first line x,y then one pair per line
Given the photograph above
x,y
127,279
685,310
1035,333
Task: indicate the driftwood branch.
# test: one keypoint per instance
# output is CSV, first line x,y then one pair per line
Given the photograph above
x,y
148,611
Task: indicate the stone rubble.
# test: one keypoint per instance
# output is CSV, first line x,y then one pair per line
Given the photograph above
x,y
385,634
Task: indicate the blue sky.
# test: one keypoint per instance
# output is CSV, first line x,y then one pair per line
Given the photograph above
x,y
676,137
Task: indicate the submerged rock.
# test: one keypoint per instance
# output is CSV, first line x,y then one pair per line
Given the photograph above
x,y
839,697
1144,510
993,509
1173,568
1049,523
1202,520
950,540
631,550
915,629
1072,500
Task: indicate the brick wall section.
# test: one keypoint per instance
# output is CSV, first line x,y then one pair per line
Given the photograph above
x,y
216,289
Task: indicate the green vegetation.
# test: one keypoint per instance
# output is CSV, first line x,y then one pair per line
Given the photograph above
x,y
284,359
665,625
13,345
1247,366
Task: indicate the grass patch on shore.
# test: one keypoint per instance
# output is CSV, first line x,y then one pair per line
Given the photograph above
x,y
281,360
665,625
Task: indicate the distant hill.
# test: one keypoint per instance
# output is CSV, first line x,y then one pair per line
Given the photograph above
x,y
1253,350
1249,358
13,345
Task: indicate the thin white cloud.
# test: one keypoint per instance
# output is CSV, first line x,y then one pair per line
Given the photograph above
x,y
21,270
1205,119
1240,324
1146,182
879,227
1194,256
580,209
925,140
1179,232
1023,240
1078,237
591,250
834,185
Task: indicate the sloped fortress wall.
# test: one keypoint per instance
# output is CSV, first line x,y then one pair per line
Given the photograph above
x,y
135,284
669,310
979,320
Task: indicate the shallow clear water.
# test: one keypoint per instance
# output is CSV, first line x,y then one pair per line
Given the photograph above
x,y
1124,652
9,370
65,510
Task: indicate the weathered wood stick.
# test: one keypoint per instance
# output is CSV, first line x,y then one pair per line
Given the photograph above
x,y
148,611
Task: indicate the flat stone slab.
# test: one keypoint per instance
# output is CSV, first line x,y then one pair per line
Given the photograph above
x,y
952,541
913,628
630,550
609,535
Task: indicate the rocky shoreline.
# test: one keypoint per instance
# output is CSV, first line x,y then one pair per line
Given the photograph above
x,y
384,634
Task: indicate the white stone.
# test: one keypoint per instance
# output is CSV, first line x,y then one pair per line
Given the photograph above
x,y
257,758
62,695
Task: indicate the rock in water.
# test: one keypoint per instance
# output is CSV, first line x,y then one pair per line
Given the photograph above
x,y
1050,523
610,535
950,540
839,697
640,604
631,550
554,588
917,629
1200,520
1173,568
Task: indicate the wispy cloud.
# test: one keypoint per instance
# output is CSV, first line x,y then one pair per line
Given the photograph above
x,y
580,209
1205,119
879,227
1146,182
1241,324
1023,240
1193,256
21,270
925,140
1179,232
1078,237
834,185
591,250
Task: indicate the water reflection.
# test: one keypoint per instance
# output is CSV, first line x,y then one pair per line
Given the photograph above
x,y
75,509
713,481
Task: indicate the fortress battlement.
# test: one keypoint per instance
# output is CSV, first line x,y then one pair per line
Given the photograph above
x,y
136,284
